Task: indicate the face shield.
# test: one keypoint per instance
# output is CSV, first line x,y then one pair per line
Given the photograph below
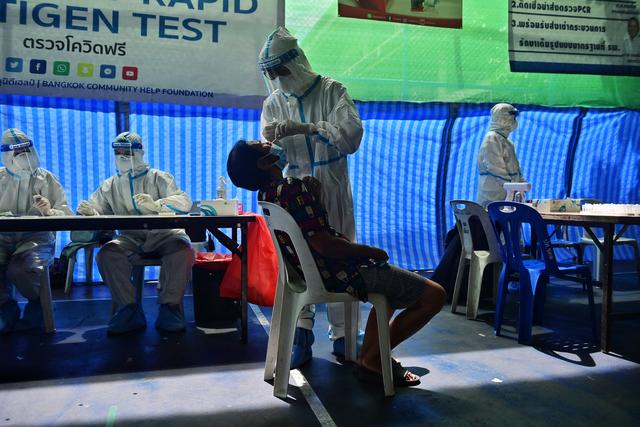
x,y
274,67
284,65
19,154
128,153
503,118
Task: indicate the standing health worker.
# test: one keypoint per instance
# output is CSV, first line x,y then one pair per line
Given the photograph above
x,y
314,120
497,160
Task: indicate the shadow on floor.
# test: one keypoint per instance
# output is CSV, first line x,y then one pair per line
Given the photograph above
x,y
80,346
470,377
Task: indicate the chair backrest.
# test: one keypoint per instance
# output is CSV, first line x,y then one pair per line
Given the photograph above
x,y
278,219
508,219
464,210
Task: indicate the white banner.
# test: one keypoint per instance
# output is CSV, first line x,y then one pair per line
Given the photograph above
x,y
575,36
201,52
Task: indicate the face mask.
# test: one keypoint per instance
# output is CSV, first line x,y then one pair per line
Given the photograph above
x,y
282,156
124,164
291,84
503,124
25,163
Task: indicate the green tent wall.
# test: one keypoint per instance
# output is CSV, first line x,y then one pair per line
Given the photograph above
x,y
384,61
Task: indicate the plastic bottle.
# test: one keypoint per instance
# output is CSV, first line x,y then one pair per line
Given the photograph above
x,y
222,188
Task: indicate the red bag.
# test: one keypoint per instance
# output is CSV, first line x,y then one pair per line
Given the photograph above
x,y
262,265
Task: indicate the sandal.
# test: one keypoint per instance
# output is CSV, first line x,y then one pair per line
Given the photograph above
x,y
402,377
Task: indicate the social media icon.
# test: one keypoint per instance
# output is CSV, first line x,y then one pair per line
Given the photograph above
x,y
130,73
61,68
85,70
13,65
38,66
108,71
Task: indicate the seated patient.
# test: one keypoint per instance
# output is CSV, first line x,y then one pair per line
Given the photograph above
x,y
26,189
138,189
344,266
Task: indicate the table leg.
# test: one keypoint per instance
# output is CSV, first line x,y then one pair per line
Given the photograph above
x,y
607,286
244,274
45,301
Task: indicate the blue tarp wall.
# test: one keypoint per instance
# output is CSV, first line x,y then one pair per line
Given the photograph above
x,y
414,158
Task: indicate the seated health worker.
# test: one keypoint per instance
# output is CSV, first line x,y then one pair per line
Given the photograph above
x,y
25,189
138,189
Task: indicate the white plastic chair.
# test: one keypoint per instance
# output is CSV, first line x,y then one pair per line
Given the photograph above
x,y
294,292
478,260
46,301
598,260
88,262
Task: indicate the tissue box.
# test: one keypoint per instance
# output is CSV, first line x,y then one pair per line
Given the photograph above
x,y
219,207
556,205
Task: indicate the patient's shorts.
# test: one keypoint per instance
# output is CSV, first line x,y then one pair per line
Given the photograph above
x,y
401,287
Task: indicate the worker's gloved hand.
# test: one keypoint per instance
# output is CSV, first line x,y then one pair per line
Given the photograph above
x,y
85,209
42,204
147,204
291,127
269,131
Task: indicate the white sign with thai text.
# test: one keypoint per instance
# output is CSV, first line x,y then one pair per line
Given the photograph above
x,y
575,36
201,52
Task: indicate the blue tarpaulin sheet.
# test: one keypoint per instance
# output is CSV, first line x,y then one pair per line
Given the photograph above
x,y
413,159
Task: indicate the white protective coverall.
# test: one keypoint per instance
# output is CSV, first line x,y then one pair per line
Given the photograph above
x,y
497,160
331,130
124,194
24,255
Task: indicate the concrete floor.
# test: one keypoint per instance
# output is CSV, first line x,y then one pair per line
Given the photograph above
x,y
78,376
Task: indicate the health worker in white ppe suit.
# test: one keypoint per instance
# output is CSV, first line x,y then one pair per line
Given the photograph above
x,y
25,189
497,160
138,189
314,120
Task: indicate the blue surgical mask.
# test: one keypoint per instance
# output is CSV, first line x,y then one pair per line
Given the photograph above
x,y
282,156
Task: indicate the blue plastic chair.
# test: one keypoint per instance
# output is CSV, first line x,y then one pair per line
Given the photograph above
x,y
508,219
